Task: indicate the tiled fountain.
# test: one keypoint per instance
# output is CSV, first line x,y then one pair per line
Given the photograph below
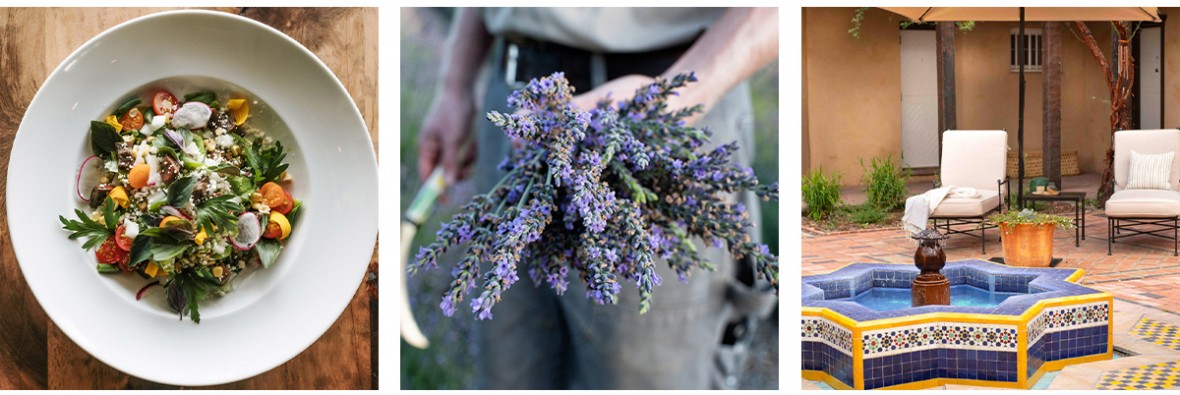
x,y
1005,326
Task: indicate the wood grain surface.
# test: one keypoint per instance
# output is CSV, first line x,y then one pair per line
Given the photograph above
x,y
34,354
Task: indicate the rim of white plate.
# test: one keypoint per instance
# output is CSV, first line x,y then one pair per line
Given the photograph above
x,y
180,356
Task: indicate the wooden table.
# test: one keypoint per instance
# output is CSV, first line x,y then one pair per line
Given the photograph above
x,y
35,354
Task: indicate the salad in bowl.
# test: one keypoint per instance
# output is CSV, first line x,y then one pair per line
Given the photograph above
x,y
186,193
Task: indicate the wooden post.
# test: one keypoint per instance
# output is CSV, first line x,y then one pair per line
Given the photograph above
x,y
1051,74
945,36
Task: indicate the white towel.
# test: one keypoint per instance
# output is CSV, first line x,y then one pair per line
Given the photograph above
x,y
919,207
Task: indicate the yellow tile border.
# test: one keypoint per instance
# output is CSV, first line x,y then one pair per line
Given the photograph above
x,y
1022,382
819,375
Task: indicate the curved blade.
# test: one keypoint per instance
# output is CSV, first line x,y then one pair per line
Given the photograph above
x,y
409,327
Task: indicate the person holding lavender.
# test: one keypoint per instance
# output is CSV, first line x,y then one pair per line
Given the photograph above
x,y
537,339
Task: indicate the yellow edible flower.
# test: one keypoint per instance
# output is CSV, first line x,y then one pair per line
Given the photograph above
x,y
114,122
119,195
240,109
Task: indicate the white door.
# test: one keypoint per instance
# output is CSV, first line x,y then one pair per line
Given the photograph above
x,y
1149,78
919,99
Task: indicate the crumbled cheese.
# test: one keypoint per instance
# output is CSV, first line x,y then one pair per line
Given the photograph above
x,y
225,141
130,228
158,122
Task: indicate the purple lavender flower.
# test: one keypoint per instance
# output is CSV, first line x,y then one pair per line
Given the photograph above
x,y
627,182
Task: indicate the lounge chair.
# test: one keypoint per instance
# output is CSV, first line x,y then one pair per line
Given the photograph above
x,y
976,159
1130,211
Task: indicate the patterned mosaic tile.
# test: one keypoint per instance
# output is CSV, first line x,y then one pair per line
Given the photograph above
x,y
828,290
1061,318
892,341
822,330
1149,377
1158,333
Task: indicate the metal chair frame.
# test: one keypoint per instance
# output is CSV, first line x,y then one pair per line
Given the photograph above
x,y
979,221
1114,230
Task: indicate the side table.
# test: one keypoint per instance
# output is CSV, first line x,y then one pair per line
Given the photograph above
x,y
1079,210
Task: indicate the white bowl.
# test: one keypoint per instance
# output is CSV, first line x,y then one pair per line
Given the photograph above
x,y
273,314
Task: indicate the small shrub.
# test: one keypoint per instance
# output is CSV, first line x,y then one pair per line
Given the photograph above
x,y
867,214
885,182
821,193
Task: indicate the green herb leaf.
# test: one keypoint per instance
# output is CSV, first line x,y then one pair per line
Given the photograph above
x,y
241,185
141,249
181,191
271,165
295,211
188,288
268,251
217,212
164,251
207,97
266,163
104,139
94,232
127,106
109,215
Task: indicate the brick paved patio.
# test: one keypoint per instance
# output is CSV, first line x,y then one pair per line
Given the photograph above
x,y
1142,268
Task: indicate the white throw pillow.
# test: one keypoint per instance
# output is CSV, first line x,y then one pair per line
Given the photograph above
x,y
1150,171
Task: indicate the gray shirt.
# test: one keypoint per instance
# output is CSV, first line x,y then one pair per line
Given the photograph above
x,y
603,29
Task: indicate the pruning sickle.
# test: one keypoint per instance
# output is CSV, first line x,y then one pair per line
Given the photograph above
x,y
420,208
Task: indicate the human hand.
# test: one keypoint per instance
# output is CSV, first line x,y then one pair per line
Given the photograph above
x,y
624,87
445,138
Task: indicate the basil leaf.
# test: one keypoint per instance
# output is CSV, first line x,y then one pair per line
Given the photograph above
x,y
294,213
207,97
177,298
268,251
141,249
127,106
241,185
103,139
181,191
163,252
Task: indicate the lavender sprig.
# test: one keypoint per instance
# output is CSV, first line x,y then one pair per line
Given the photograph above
x,y
622,184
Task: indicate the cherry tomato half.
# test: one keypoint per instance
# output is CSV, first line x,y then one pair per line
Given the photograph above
x,y
121,239
286,207
109,252
274,195
132,120
163,103
273,230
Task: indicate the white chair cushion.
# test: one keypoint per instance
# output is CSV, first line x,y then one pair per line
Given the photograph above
x,y
1145,142
1145,203
974,158
1150,171
967,207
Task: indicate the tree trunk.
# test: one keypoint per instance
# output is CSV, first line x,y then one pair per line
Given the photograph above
x,y
947,119
1051,135
1118,84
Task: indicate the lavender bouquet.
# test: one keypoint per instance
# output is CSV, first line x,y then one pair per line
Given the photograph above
x,y
602,192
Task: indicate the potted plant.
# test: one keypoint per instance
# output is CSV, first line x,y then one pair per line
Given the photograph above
x,y
1028,236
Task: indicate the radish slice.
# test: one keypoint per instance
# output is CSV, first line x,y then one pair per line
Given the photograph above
x,y
153,169
249,231
175,138
139,295
174,212
78,179
192,115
